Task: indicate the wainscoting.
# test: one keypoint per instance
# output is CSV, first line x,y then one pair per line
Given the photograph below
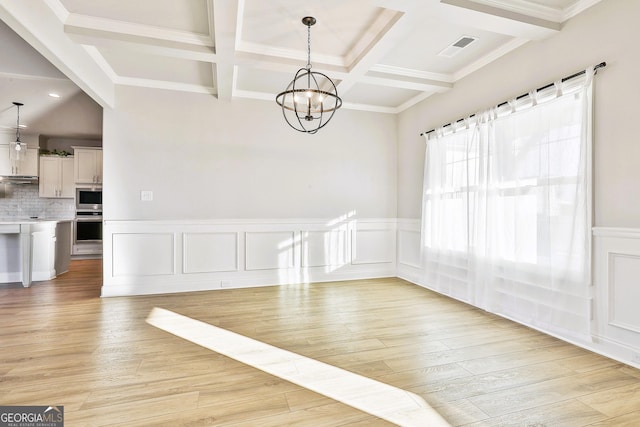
x,y
150,257
409,258
616,279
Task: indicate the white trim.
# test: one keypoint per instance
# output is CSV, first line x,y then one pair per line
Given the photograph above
x,y
408,72
578,7
629,233
297,55
32,77
167,85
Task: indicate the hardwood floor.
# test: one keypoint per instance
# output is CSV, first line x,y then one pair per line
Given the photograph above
x,y
61,344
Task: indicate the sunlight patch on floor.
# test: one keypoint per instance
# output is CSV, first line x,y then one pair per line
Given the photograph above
x,y
373,397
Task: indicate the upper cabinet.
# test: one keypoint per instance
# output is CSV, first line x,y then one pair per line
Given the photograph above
x,y
87,165
26,166
56,177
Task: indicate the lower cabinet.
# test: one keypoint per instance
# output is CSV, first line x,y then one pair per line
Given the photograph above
x,y
56,177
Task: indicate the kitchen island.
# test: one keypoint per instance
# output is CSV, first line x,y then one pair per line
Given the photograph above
x,y
33,249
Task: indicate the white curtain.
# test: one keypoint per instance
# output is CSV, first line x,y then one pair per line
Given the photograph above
x,y
507,208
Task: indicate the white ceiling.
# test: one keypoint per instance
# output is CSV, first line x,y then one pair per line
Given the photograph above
x,y
383,54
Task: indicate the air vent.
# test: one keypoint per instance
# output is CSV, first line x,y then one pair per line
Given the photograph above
x,y
457,46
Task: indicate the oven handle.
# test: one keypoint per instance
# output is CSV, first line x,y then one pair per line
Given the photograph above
x,y
90,219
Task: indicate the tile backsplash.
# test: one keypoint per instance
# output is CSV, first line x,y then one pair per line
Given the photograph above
x,y
22,201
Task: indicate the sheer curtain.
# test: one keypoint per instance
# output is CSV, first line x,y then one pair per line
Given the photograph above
x,y
507,208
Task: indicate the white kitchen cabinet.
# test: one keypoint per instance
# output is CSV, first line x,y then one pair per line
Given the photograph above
x,y
56,177
28,166
87,165
46,254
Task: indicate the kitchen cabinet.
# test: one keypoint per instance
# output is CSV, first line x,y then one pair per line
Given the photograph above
x,y
87,165
56,177
30,251
28,166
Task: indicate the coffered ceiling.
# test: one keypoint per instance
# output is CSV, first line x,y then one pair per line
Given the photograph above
x,y
384,55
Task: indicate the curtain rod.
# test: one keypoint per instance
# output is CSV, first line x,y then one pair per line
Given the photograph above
x,y
564,79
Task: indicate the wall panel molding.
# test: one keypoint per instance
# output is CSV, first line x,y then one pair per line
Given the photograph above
x,y
373,246
623,290
409,255
326,248
210,252
143,254
270,250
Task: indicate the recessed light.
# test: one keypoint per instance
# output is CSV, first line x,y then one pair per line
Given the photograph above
x,y
54,95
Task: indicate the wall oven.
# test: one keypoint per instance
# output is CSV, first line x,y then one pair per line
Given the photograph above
x,y
88,199
88,227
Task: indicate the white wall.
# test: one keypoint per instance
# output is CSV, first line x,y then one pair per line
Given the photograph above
x,y
606,32
207,159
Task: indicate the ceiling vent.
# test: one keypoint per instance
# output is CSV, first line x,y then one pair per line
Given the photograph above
x,y
457,46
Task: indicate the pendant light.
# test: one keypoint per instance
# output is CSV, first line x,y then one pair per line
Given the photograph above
x,y
311,98
17,146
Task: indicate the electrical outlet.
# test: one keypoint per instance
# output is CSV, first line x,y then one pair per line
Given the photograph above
x,y
635,357
225,283
146,195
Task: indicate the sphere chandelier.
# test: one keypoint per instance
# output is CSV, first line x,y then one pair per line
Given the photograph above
x,y
311,99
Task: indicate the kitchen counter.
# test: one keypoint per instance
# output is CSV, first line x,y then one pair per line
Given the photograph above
x,y
27,244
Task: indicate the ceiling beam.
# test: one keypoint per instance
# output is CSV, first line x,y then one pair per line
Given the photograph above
x,y
224,15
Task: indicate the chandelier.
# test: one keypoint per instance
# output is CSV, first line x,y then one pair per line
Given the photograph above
x,y
311,98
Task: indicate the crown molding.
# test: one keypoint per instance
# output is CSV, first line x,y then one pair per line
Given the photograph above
x,y
540,11
163,84
408,72
33,77
578,7
297,55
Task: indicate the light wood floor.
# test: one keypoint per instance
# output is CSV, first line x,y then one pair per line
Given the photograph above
x,y
61,344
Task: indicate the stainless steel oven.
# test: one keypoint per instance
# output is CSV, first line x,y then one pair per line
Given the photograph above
x,y
89,199
88,227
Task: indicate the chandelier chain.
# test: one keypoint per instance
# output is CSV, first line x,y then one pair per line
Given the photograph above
x,y
308,47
